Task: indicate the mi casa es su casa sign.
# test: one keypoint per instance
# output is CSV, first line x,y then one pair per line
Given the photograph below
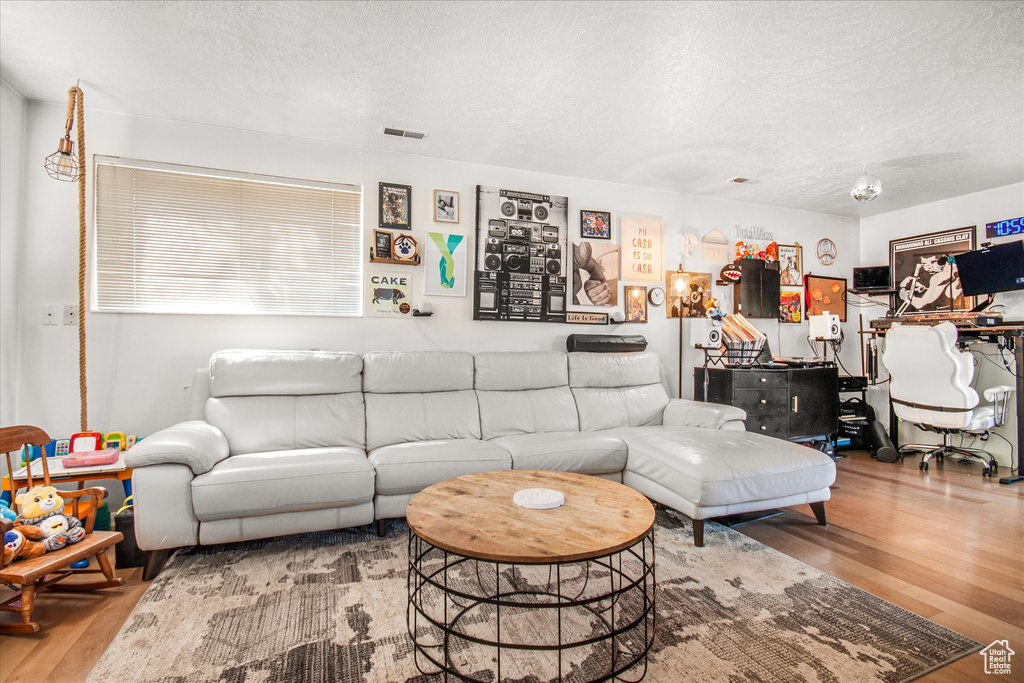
x,y
641,250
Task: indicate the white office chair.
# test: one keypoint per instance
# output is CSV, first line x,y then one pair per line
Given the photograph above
x,y
930,386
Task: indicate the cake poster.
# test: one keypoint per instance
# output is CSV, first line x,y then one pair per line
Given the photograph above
x,y
641,250
389,295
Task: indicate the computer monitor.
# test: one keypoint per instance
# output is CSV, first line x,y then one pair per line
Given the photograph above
x,y
871,279
999,268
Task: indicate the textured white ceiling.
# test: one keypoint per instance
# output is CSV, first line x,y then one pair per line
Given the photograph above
x,y
679,96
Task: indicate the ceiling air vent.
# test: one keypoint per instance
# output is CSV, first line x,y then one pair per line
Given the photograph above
x,y
399,133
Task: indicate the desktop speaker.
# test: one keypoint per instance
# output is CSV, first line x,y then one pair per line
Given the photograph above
x,y
825,327
706,332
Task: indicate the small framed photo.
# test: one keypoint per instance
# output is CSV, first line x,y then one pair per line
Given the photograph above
x,y
636,304
596,225
790,305
382,243
394,206
446,206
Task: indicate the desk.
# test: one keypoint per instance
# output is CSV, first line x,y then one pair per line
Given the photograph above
x,y
61,475
1012,336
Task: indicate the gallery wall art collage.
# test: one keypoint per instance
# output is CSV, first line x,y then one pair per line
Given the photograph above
x,y
530,264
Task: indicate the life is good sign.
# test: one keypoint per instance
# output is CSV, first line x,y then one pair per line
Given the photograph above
x,y
641,250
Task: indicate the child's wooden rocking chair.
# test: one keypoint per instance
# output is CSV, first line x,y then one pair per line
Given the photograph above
x,y
28,577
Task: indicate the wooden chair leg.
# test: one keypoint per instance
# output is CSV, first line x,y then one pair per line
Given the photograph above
x,y
819,512
27,598
698,533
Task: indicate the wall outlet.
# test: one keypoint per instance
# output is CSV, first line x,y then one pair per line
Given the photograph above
x,y
70,315
49,315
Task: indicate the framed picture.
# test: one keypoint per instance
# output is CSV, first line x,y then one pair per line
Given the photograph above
x,y
595,274
388,295
405,248
596,225
790,306
641,253
825,295
925,275
394,206
445,264
636,303
791,265
446,206
382,240
687,294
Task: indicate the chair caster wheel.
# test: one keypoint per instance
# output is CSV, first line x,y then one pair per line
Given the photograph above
x,y
940,457
923,466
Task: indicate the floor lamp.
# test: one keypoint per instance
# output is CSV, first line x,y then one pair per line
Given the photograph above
x,y
62,165
677,288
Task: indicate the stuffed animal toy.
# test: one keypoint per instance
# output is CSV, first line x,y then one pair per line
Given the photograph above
x,y
43,507
6,512
20,541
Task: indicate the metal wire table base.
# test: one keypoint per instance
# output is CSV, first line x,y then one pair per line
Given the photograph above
x,y
485,621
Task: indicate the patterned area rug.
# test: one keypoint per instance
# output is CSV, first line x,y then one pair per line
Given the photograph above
x,y
331,607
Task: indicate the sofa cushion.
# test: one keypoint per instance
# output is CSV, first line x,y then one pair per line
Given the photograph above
x,y
284,373
617,389
607,408
256,424
400,418
613,369
527,412
522,370
417,372
283,481
411,467
565,452
713,468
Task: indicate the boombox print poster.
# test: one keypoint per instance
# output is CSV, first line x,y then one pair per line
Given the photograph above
x,y
521,259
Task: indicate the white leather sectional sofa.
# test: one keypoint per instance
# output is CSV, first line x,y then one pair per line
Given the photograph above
x,y
282,442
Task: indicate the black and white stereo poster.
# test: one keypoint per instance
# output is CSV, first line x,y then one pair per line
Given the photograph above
x,y
521,260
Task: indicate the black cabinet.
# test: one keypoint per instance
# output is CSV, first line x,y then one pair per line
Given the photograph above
x,y
789,403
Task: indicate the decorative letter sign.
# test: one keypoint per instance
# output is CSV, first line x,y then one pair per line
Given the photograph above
x,y
641,250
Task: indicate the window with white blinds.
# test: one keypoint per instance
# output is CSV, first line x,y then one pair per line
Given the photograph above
x,y
178,239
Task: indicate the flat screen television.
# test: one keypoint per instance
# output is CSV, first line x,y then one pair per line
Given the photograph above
x,y
999,268
871,279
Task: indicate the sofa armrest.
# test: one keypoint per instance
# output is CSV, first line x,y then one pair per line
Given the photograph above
x,y
195,443
681,412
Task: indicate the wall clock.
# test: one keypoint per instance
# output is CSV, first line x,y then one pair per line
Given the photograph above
x,y
656,296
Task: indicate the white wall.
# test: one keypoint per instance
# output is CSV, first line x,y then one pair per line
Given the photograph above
x,y
972,209
12,142
138,364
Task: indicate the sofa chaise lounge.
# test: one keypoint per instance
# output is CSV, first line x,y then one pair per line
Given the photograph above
x,y
283,442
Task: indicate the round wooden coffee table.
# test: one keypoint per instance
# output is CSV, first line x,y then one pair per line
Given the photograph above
x,y
498,591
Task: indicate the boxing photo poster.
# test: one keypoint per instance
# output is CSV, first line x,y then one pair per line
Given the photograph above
x,y
595,273
924,270
521,256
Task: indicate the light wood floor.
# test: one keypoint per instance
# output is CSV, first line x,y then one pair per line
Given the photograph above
x,y
948,545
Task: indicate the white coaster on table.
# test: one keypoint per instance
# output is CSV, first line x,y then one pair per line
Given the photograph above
x,y
539,499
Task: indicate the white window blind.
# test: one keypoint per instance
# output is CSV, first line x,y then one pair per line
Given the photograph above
x,y
177,239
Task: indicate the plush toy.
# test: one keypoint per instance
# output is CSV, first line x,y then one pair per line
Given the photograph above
x,y
20,541
6,512
771,252
714,312
43,507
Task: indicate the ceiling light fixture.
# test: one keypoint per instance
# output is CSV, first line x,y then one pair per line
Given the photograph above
x,y
866,188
